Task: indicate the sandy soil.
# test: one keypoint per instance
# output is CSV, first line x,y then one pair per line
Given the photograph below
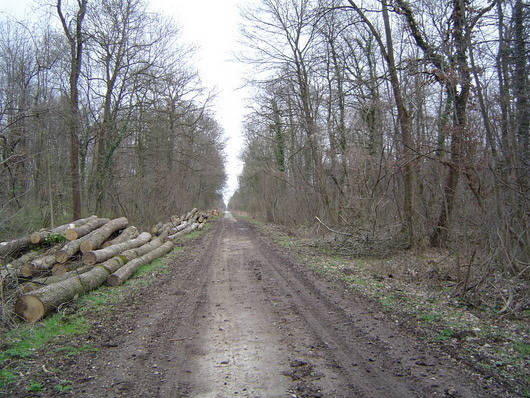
x,y
237,318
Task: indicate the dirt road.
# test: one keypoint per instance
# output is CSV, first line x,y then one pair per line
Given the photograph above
x,y
239,319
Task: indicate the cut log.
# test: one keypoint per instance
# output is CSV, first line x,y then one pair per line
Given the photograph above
x,y
58,278
37,283
163,235
38,237
71,248
60,269
190,215
189,228
34,306
78,232
128,270
98,256
102,234
38,266
164,228
181,227
13,246
156,228
128,233
13,268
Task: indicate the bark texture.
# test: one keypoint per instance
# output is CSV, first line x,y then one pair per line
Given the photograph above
x,y
128,270
98,256
78,232
102,234
38,237
128,233
40,302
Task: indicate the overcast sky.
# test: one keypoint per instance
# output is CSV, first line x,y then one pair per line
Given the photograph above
x,y
212,25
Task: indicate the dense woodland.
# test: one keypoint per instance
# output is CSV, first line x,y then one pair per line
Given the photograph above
x,y
102,112
400,123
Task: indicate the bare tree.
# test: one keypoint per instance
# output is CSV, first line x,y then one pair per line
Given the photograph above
x,y
73,30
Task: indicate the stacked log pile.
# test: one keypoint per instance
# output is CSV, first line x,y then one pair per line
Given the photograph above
x,y
86,254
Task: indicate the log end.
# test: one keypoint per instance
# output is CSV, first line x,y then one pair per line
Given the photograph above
x,y
89,258
59,269
35,238
86,246
29,308
113,280
71,234
61,256
27,270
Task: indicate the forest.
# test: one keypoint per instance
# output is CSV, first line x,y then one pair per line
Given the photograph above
x,y
392,124
102,112
397,125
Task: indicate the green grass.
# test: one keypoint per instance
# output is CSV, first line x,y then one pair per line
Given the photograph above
x,y
70,351
191,235
63,387
34,386
22,342
523,349
444,335
7,376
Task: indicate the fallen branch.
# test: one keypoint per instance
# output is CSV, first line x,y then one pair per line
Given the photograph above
x,y
332,230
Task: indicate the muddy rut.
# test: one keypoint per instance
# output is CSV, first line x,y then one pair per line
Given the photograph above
x,y
239,319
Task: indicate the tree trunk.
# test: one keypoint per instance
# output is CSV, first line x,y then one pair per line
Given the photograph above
x,y
102,234
128,270
59,278
76,233
73,30
71,248
98,256
128,233
140,251
13,270
60,269
440,235
38,265
40,302
190,215
38,237
10,247
188,229
37,283
406,135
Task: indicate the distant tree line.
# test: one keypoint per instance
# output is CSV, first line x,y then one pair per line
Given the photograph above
x,y
102,112
392,118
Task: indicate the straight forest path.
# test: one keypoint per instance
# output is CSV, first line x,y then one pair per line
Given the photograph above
x,y
237,318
